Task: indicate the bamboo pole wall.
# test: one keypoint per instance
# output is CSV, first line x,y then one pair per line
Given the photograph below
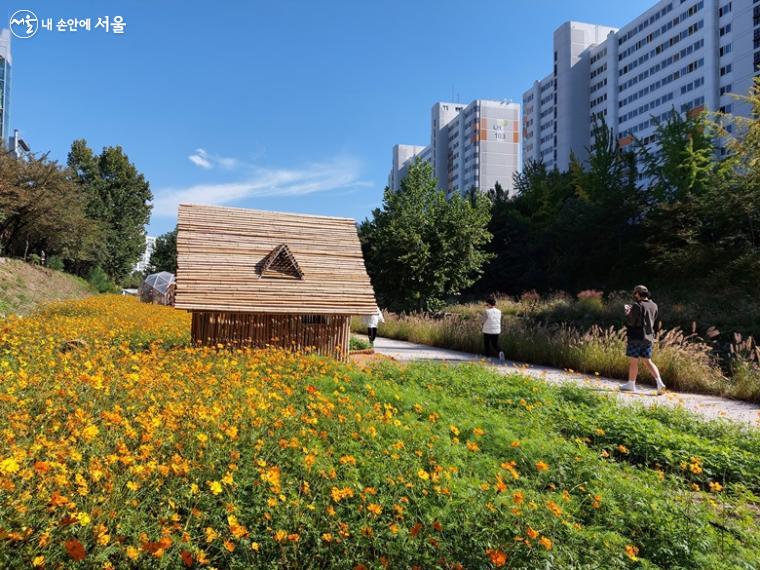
x,y
221,251
327,335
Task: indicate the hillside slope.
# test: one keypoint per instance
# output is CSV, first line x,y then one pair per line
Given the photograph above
x,y
24,286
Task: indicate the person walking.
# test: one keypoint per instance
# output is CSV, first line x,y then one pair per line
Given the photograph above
x,y
372,322
491,328
640,320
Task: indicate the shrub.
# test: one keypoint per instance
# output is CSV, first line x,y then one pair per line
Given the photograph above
x,y
685,361
591,300
745,369
55,262
357,343
100,282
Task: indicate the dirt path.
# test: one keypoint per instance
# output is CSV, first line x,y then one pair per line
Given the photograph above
x,y
711,407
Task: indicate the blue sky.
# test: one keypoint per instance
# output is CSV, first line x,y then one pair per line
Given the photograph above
x,y
282,105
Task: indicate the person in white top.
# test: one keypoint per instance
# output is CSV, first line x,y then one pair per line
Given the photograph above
x,y
372,321
491,328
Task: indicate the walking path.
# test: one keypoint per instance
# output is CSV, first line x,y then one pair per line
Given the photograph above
x,y
711,407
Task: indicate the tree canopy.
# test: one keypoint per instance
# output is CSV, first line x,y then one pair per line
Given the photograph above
x,y
119,197
422,248
164,256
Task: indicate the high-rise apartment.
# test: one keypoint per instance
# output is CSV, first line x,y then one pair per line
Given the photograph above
x,y
686,55
471,146
5,84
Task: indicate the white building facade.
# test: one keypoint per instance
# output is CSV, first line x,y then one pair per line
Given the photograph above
x,y
150,245
471,146
687,55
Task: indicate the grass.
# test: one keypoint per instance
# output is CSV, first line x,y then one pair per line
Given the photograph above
x,y
122,446
358,343
686,361
24,286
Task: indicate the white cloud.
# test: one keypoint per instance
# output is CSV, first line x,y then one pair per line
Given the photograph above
x,y
339,173
203,159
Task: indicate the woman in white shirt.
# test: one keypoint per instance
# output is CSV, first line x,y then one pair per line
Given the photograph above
x,y
372,321
491,328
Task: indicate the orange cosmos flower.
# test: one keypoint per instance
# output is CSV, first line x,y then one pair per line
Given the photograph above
x,y
75,549
375,509
497,557
631,552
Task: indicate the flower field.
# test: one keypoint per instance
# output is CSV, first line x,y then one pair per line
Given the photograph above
x,y
122,446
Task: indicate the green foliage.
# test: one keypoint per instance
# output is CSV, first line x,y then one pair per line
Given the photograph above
x,y
42,210
547,235
133,280
422,248
689,224
100,281
358,343
55,263
164,256
118,197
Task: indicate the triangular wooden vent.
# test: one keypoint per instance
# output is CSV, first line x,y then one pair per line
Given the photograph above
x,y
280,264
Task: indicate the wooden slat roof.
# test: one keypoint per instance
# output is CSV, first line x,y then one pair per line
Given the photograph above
x,y
219,248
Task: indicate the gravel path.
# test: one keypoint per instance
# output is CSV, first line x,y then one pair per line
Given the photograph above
x,y
711,407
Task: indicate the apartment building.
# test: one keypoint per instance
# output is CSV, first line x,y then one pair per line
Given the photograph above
x,y
686,55
471,146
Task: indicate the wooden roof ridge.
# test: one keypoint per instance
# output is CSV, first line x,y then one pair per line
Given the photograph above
x,y
267,212
272,258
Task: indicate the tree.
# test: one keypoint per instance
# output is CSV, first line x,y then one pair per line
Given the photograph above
x,y
42,210
680,168
119,197
730,211
547,235
164,256
421,248
680,163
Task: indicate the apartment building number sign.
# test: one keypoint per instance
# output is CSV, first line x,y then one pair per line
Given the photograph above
x,y
499,129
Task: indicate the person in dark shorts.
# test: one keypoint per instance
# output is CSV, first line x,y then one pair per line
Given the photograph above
x,y
640,320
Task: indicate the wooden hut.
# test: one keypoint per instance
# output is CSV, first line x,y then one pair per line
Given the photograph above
x,y
255,278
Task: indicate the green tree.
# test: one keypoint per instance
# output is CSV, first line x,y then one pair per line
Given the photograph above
x,y
42,210
119,197
680,168
680,164
730,213
164,256
573,229
422,248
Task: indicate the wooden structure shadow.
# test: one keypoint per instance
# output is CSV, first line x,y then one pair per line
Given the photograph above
x,y
255,278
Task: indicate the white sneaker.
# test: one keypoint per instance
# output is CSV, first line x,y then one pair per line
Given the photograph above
x,y
629,387
661,387
501,356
